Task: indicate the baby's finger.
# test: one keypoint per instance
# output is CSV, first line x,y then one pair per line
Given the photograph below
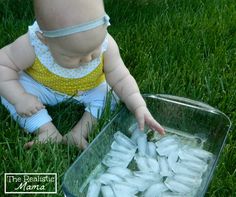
x,y
34,111
141,122
25,115
159,128
43,106
22,115
40,107
29,114
154,125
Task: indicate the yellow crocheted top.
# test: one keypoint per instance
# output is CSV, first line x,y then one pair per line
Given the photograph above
x,y
69,86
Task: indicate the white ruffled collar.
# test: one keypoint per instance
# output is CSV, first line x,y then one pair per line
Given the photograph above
x,y
43,54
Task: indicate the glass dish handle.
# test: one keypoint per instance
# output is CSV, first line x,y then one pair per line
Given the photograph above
x,y
184,101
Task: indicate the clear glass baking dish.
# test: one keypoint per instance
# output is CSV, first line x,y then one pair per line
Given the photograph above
x,y
177,115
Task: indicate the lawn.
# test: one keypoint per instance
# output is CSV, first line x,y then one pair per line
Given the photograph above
x,y
180,47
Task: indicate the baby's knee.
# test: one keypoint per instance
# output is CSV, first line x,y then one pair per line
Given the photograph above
x,y
30,124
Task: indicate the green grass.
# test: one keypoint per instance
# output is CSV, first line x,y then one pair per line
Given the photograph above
x,y
180,47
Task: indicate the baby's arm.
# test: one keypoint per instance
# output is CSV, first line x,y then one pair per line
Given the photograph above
x,y
125,86
15,57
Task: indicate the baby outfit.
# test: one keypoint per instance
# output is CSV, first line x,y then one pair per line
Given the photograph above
x,y
53,84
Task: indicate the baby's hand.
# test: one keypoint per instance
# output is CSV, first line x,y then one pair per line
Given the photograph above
x,y
28,105
143,117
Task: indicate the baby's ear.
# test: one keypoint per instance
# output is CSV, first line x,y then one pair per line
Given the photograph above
x,y
41,37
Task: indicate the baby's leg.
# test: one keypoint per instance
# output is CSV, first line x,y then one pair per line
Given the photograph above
x,y
78,135
39,123
94,101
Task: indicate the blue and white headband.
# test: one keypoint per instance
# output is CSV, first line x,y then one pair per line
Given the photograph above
x,y
77,28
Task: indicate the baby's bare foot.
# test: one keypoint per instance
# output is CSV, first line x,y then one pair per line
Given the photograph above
x,y
56,140
75,139
47,133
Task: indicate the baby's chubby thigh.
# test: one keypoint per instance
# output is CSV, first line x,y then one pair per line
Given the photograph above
x,y
34,122
96,99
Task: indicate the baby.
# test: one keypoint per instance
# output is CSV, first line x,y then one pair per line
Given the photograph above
x,y
67,53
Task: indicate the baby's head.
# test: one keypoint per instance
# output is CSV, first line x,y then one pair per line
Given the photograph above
x,y
72,29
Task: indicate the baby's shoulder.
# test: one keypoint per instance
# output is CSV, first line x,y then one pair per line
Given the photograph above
x,y
20,52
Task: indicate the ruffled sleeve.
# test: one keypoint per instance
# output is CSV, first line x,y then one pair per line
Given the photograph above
x,y
39,47
104,44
